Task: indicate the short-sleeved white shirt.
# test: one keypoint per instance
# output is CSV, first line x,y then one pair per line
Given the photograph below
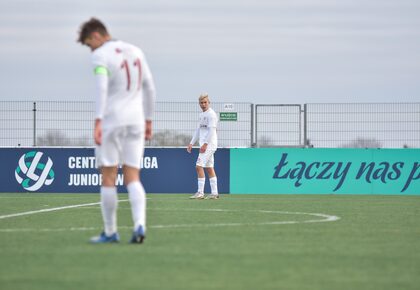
x,y
208,119
129,83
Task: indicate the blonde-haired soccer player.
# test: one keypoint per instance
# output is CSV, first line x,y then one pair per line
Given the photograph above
x,y
124,109
206,134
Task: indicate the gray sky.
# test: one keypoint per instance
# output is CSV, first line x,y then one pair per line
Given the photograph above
x,y
259,51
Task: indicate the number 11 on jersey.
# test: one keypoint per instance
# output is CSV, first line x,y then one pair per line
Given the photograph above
x,y
125,66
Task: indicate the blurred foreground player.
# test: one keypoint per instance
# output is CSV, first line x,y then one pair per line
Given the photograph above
x,y
206,135
123,121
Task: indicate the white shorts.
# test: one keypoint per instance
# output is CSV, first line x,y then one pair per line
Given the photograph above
x,y
121,146
206,159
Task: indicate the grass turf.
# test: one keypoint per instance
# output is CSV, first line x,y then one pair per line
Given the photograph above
x,y
214,244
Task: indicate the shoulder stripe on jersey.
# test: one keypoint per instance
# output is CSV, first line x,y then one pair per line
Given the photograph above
x,y
101,70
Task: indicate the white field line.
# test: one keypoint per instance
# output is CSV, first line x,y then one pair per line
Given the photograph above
x,y
49,209
325,218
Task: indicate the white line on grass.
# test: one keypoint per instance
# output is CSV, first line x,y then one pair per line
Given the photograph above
x,y
325,218
49,209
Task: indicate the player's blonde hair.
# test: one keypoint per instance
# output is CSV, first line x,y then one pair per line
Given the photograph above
x,y
204,96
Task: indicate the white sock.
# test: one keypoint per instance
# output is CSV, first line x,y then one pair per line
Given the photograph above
x,y
213,185
109,205
201,182
137,197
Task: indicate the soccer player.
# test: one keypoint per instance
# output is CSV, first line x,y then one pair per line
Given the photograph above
x,y
124,109
206,134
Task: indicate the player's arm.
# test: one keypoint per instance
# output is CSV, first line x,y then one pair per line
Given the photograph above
x,y
149,97
148,133
194,139
97,133
101,77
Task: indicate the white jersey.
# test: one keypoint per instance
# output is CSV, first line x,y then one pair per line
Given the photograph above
x,y
208,120
126,90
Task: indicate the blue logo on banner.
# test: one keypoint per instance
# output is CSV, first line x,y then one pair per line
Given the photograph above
x,y
34,171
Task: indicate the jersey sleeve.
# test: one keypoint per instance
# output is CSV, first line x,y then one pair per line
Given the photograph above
x,y
195,136
149,91
101,75
98,60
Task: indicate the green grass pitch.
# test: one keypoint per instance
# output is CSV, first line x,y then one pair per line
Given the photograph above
x,y
237,242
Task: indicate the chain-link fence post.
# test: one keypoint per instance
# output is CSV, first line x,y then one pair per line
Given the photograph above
x,y
34,124
305,133
253,143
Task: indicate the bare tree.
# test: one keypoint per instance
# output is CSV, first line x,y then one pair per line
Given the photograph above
x,y
59,138
361,142
170,138
264,141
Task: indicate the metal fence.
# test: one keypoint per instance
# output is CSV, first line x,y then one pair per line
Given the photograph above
x,y
16,124
175,122
48,123
278,126
364,125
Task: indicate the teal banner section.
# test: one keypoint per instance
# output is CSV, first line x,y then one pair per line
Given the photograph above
x,y
325,171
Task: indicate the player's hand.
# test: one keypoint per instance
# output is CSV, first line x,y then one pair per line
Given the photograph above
x,y
203,148
189,148
148,133
97,133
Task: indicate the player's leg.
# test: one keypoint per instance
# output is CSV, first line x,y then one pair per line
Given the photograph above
x,y
213,181
137,197
109,199
107,156
133,149
212,178
201,180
